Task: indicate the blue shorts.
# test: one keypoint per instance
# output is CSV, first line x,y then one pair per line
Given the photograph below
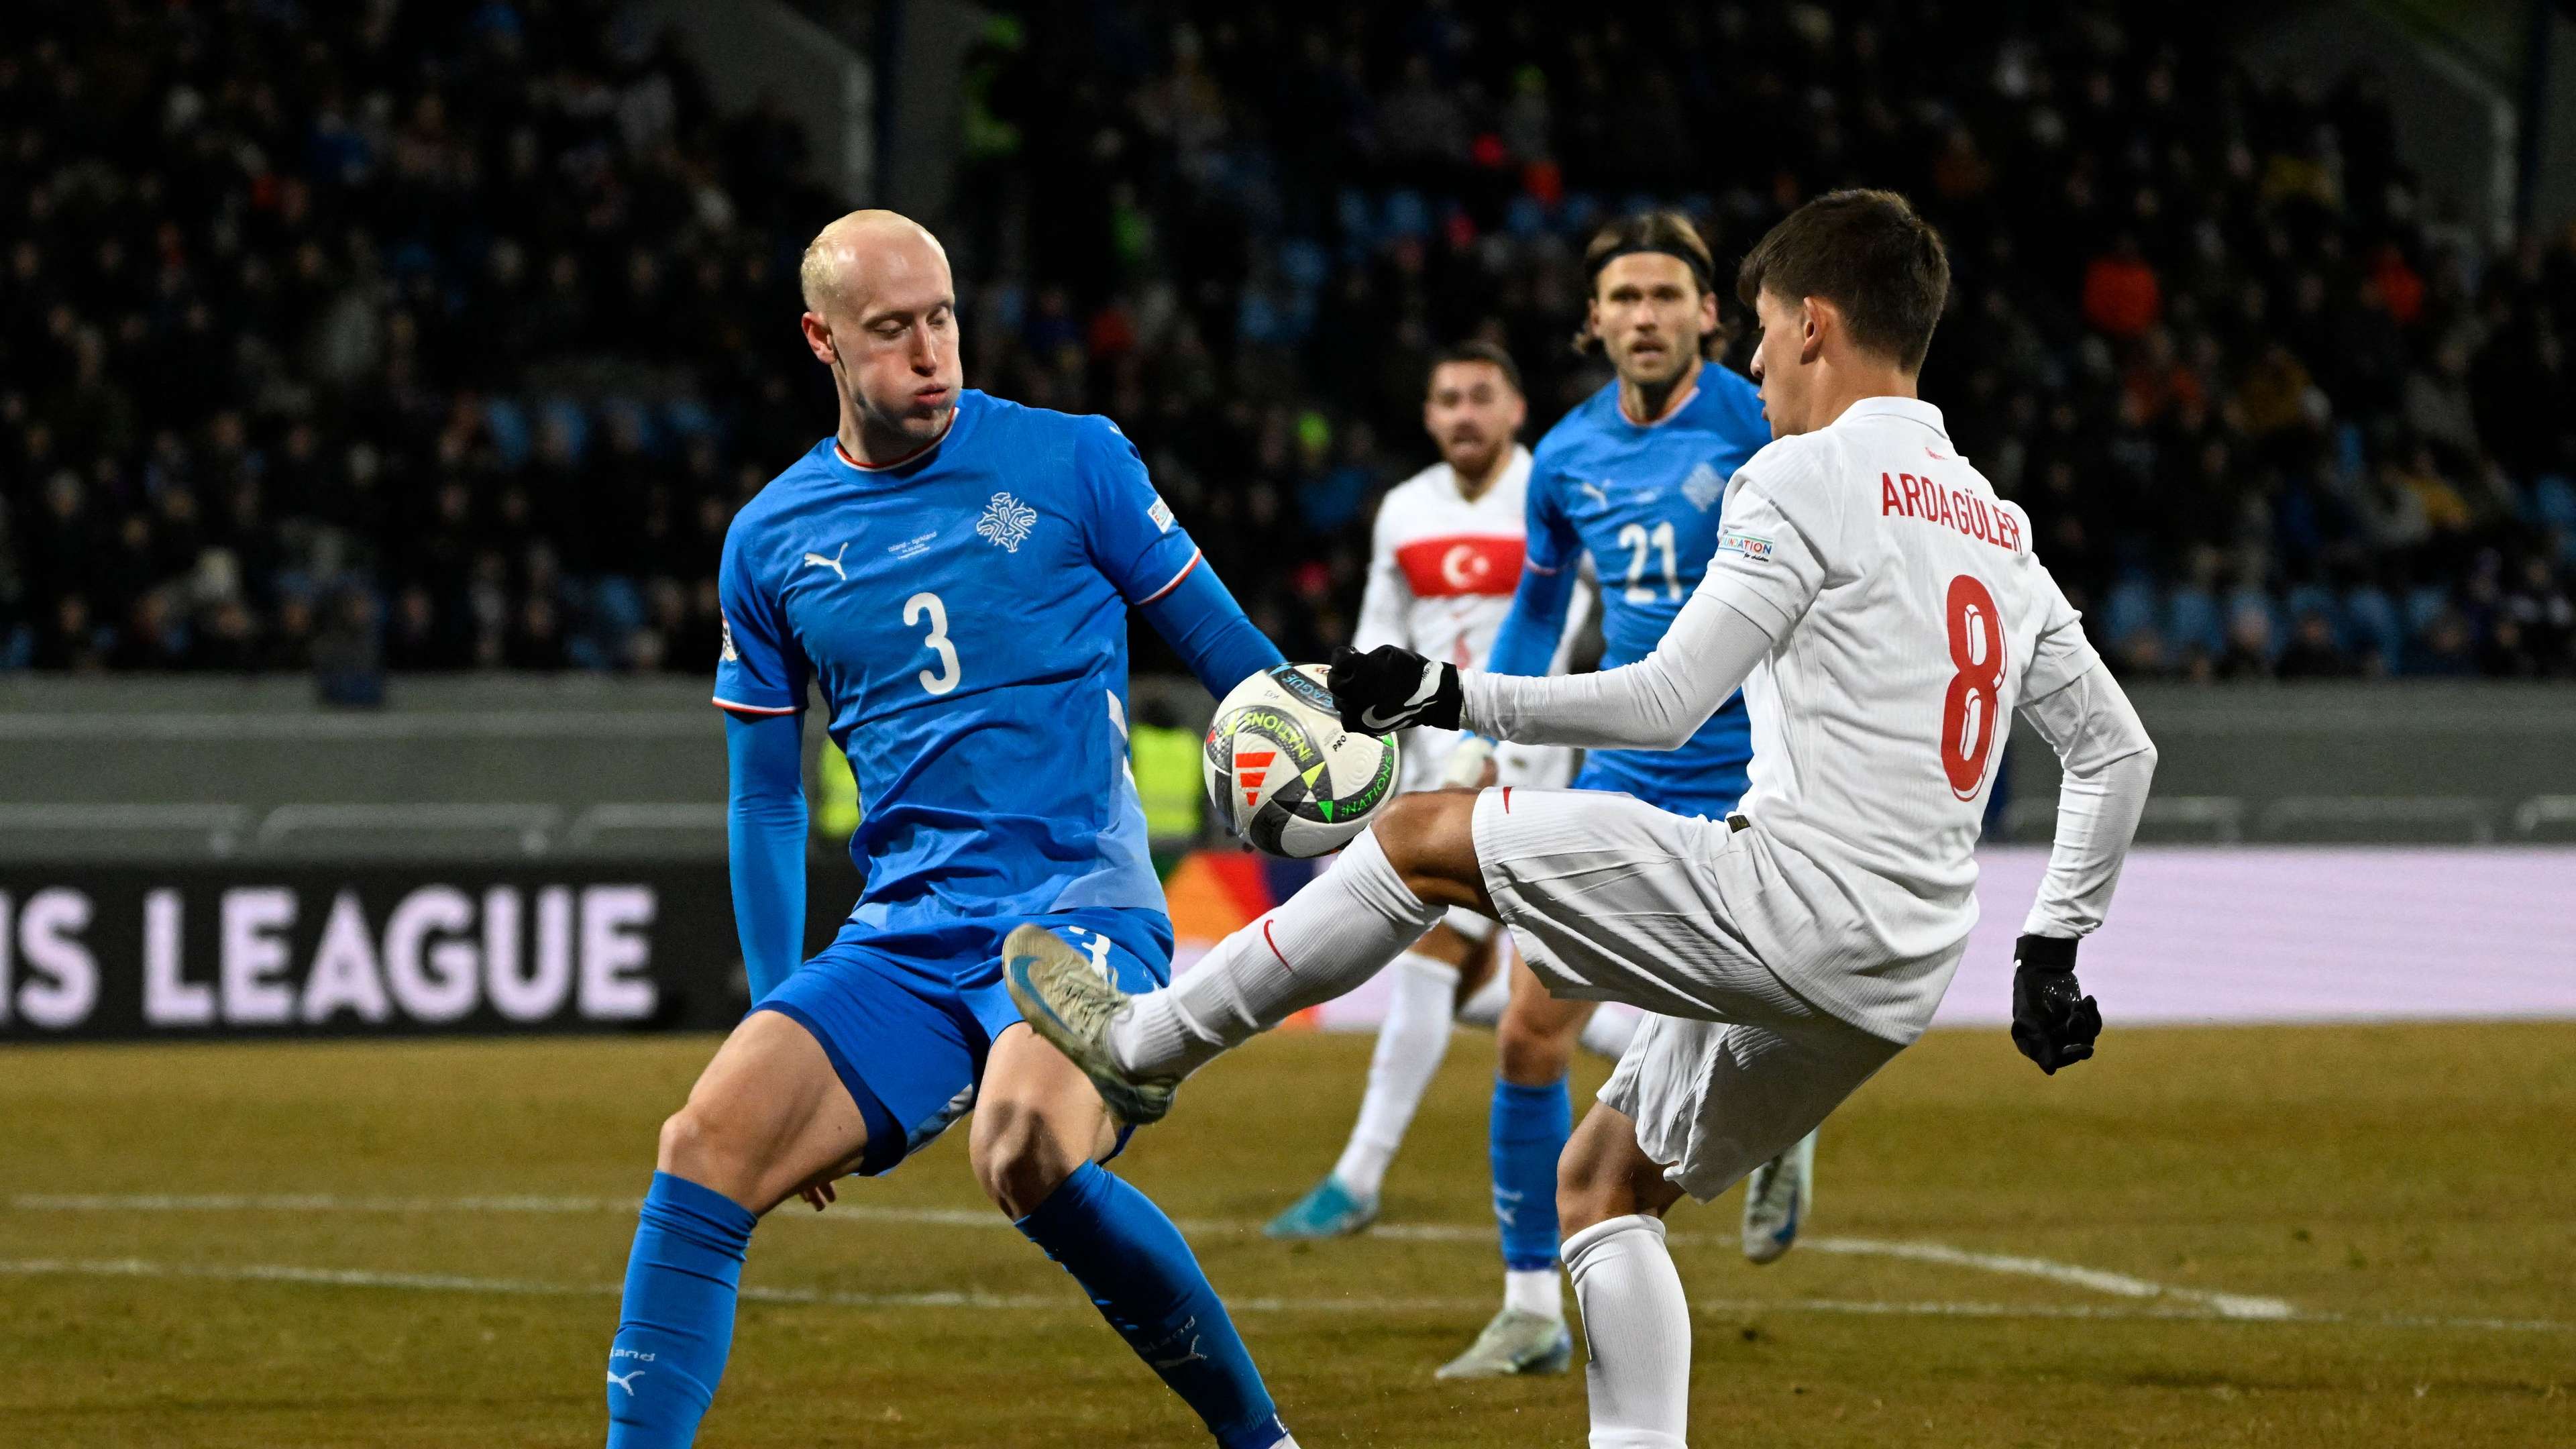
x,y
1612,771
907,1016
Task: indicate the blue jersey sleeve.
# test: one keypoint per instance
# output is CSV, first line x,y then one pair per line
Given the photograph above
x,y
1134,540
760,669
1143,550
1526,642
1206,627
765,839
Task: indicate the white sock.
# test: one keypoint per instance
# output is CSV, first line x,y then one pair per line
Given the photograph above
x,y
1336,933
1610,1030
1485,1008
1410,1043
1535,1290
1639,1329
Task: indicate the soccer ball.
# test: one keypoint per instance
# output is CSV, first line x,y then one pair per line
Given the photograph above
x,y
1284,774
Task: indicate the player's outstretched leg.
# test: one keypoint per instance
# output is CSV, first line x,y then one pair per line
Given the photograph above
x,y
1777,1198
767,1117
1382,893
1038,1133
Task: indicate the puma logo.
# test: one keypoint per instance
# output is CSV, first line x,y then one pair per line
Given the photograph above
x,y
816,560
628,1382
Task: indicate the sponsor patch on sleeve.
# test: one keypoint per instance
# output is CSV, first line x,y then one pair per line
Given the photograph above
x,y
1756,549
1161,513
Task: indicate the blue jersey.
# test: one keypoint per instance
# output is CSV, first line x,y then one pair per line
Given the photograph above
x,y
965,616
1643,501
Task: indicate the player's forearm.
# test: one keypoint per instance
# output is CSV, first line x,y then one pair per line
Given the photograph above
x,y
1207,628
765,826
1657,703
2109,766
1527,640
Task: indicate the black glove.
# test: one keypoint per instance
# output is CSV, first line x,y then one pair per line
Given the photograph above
x,y
1388,689
2054,1022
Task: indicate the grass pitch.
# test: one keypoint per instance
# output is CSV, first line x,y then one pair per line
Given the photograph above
x,y
2346,1236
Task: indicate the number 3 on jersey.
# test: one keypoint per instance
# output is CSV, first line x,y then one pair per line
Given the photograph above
x,y
949,672
1969,727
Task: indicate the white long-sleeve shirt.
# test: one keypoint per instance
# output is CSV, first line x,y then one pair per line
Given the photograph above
x,y
1882,611
1442,569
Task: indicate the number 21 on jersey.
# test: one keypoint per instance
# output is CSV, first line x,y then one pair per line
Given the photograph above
x,y
1969,727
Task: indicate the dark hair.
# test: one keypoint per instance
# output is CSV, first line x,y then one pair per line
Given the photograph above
x,y
1869,254
1477,350
1667,233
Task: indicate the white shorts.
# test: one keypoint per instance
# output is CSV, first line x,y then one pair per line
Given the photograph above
x,y
1713,1101
1610,899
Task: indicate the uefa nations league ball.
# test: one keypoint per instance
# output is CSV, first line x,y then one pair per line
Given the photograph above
x,y
1284,774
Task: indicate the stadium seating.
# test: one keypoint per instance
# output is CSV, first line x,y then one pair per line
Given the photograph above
x,y
457,344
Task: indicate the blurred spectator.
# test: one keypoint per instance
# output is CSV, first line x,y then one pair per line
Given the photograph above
x,y
2249,644
2313,652
485,313
2122,298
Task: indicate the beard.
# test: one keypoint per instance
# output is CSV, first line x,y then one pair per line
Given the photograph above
x,y
1673,364
1472,459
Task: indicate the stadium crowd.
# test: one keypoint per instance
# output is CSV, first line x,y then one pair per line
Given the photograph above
x,y
451,336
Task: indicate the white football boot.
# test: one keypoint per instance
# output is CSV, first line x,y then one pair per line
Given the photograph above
x,y
1514,1343
1777,1198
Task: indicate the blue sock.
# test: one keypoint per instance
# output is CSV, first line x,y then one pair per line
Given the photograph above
x,y
1528,1127
1143,1278
676,1325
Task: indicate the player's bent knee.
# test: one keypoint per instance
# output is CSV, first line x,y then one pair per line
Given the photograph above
x,y
1529,1055
1019,1159
694,1146
1429,838
1603,1174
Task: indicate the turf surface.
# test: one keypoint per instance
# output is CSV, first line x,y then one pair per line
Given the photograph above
x,y
418,1245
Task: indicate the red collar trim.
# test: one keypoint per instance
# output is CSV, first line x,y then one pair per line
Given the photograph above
x,y
844,454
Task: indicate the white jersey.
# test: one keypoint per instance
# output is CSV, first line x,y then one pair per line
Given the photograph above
x,y
1911,616
1442,567
1442,570
1885,614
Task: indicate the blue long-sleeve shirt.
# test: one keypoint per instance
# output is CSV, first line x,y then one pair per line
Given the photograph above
x,y
964,615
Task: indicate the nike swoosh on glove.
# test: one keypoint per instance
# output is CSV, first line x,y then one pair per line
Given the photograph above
x,y
2054,1023
1388,689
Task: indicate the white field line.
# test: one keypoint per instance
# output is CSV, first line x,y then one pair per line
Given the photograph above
x,y
2121,1285
1030,1302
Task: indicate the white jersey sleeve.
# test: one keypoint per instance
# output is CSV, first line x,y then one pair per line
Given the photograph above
x,y
2109,764
1656,703
1778,536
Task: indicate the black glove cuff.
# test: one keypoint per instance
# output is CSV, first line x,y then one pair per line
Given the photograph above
x,y
2046,953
